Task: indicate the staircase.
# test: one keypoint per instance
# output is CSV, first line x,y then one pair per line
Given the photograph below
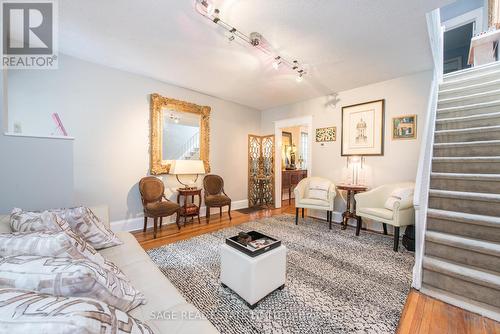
x,y
461,263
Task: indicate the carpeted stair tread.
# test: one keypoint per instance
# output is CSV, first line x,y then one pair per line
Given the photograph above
x,y
476,117
466,97
468,130
463,79
479,105
466,176
465,195
462,217
468,144
471,71
463,272
475,245
463,89
467,159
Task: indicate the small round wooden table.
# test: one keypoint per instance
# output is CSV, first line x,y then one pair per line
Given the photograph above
x,y
351,189
189,209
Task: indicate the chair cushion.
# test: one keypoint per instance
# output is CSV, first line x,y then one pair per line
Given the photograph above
x,y
377,212
161,208
217,200
314,202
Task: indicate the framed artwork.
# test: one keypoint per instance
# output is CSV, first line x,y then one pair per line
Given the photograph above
x,y
326,134
404,127
287,138
363,129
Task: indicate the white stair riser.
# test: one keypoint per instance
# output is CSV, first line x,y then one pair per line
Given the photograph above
x,y
471,72
467,151
469,100
477,186
466,167
461,112
461,137
467,205
463,256
468,123
463,229
462,288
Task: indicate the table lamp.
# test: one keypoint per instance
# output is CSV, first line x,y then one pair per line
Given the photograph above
x,y
187,167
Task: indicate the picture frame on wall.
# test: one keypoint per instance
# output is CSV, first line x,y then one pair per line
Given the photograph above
x,y
404,127
363,129
326,134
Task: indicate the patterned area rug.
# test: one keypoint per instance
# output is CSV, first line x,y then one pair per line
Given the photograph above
x,y
336,282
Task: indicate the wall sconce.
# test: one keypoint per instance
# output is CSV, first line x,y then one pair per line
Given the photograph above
x,y
355,164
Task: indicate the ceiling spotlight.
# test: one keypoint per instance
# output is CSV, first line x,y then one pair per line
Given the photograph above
x,y
277,63
299,78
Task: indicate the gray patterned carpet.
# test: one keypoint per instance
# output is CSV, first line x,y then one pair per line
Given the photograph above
x,y
336,282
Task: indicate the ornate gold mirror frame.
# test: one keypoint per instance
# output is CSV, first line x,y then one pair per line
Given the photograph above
x,y
159,103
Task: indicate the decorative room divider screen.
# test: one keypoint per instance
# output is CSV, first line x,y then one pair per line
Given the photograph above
x,y
260,170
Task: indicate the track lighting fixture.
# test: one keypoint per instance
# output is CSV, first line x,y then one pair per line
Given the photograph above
x,y
255,39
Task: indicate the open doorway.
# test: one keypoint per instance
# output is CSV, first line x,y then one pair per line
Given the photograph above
x,y
456,47
293,156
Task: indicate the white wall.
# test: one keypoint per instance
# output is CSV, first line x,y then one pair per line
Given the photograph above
x,y
403,96
107,111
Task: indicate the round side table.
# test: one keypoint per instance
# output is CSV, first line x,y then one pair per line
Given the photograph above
x,y
351,189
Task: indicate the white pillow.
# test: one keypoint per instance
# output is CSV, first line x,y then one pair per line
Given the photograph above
x,y
398,195
24,311
318,189
66,277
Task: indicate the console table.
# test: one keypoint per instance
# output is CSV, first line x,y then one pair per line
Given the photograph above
x,y
290,179
351,190
189,209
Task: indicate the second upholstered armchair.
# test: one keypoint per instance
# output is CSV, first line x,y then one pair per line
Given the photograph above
x,y
315,193
389,204
215,196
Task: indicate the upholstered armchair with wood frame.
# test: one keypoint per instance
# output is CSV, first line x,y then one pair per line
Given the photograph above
x,y
389,204
152,192
315,193
214,195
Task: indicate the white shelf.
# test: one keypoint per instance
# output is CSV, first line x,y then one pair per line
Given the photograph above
x,y
13,134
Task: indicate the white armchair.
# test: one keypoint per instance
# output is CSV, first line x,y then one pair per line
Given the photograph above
x,y
320,197
372,205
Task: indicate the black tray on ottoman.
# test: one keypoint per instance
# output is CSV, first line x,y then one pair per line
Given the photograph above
x,y
268,243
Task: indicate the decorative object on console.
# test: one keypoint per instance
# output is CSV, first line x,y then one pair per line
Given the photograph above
x,y
215,196
255,39
260,170
59,125
32,312
189,209
404,127
363,129
351,191
326,134
166,132
152,194
304,201
375,205
187,167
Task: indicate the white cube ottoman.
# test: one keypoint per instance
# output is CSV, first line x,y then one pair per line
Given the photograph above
x,y
253,278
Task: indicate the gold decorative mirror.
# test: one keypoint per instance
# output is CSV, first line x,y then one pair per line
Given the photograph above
x,y
179,131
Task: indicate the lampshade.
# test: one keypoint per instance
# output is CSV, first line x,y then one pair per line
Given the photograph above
x,y
187,167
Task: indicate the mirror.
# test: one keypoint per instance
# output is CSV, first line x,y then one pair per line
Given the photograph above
x,y
179,131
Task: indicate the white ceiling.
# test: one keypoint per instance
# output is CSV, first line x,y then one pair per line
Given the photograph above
x,y
345,43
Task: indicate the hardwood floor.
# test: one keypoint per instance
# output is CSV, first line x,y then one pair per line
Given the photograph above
x,y
421,314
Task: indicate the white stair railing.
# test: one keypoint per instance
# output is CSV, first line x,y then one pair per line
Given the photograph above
x,y
191,145
421,197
